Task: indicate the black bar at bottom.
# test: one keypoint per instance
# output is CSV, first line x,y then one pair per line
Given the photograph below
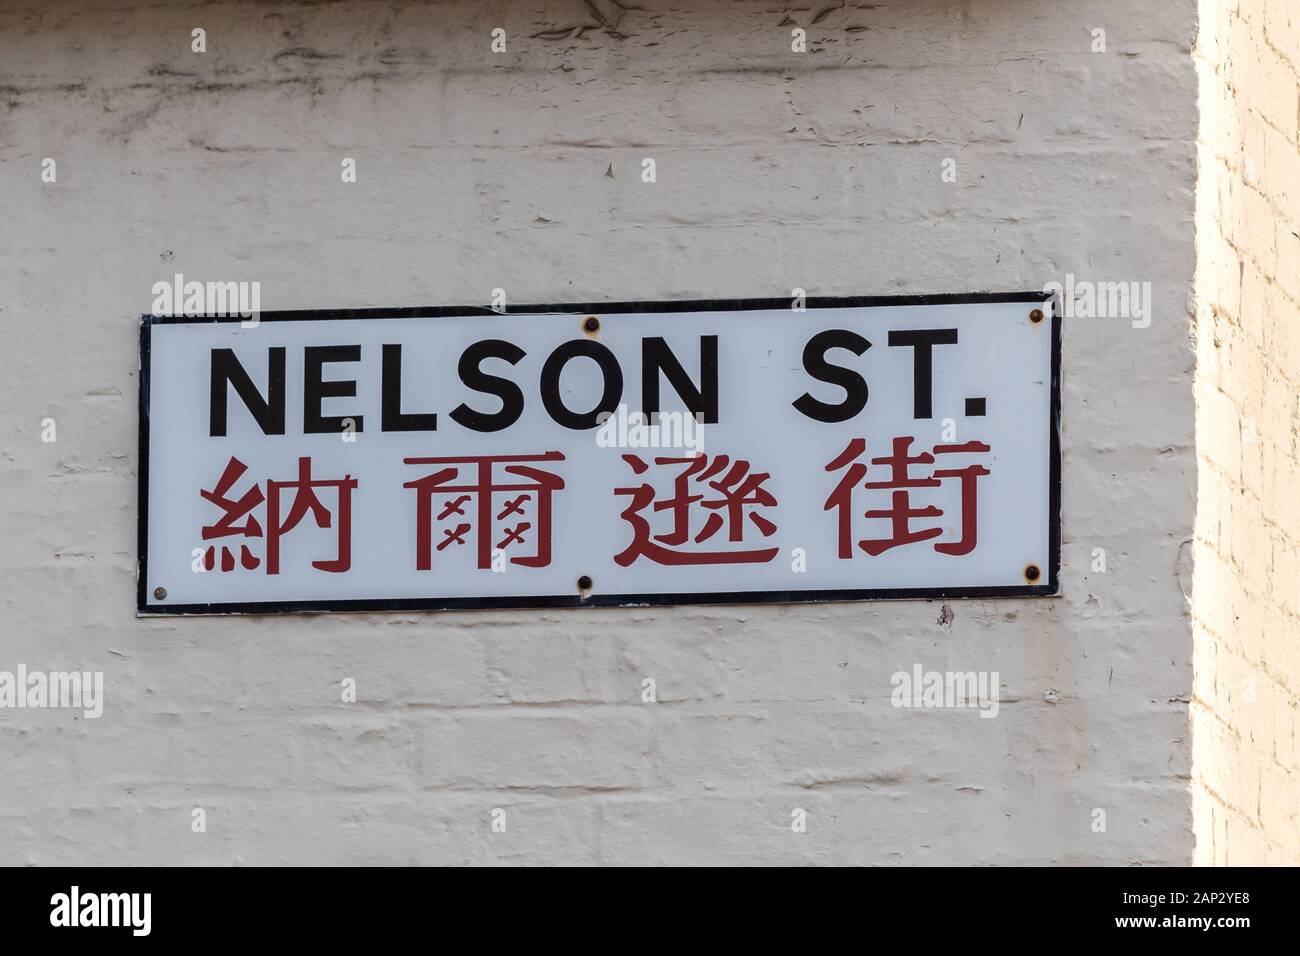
x,y
335,907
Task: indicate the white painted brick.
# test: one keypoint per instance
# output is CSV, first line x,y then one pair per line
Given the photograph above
x,y
775,170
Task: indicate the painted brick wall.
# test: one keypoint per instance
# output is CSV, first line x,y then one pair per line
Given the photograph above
x,y
1247,578
776,170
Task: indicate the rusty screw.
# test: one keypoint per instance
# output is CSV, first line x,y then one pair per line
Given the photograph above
x,y
160,593
584,583
1036,315
1032,573
591,324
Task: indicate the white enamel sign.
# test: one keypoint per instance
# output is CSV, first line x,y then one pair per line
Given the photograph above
x,y
582,455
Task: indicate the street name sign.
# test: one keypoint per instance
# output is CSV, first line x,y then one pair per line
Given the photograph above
x,y
586,455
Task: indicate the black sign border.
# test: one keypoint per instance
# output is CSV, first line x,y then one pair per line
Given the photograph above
x,y
1050,588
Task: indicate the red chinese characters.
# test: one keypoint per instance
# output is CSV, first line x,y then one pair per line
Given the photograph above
x,y
717,492
900,484
508,514
278,523
685,511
